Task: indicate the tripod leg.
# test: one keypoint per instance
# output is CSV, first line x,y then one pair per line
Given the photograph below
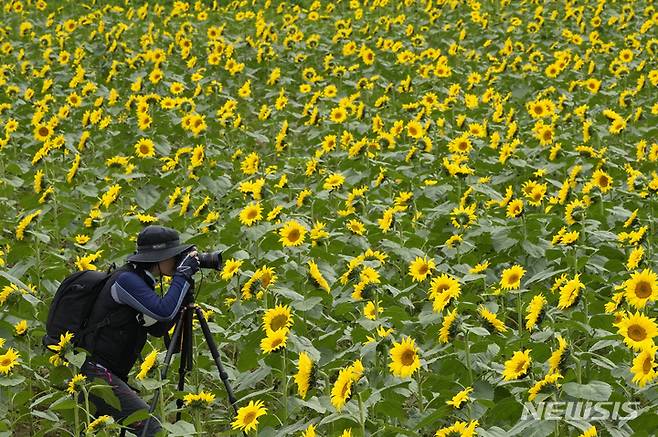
x,y
163,373
185,359
215,354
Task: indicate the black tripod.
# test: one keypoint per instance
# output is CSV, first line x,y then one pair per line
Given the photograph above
x,y
181,341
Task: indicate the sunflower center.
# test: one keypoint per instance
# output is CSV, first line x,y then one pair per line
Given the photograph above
x,y
463,145
547,135
637,333
539,110
5,361
343,392
144,149
407,358
276,342
603,181
513,278
422,270
249,417
293,235
519,366
643,289
43,131
442,287
252,214
279,321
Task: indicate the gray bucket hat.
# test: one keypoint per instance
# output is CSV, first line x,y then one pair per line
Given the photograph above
x,y
157,243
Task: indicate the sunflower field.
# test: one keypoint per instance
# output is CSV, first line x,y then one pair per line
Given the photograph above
x,y
431,212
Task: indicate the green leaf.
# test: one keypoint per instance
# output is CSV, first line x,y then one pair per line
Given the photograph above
x,y
147,196
11,381
594,391
179,429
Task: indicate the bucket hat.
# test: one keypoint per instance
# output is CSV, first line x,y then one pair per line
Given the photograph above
x,y
157,243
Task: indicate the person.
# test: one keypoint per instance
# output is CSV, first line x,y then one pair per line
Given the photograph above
x,y
132,309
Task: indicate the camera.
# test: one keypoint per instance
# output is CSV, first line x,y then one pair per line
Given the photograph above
x,y
207,260
210,260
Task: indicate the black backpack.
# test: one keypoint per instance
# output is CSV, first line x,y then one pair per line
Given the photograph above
x,y
72,305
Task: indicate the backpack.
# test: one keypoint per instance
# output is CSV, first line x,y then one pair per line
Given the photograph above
x,y
72,305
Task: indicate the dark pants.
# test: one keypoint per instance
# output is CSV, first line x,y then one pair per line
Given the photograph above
x,y
128,399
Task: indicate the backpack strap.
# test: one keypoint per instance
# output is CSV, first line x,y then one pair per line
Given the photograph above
x,y
112,318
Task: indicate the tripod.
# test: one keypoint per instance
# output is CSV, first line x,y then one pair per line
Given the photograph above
x,y
181,341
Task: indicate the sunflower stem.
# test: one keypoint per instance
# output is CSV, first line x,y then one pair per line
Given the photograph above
x,y
284,375
468,359
519,312
420,391
76,415
362,420
87,410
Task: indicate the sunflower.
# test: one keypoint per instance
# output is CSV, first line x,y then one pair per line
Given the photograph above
x,y
199,400
304,375
356,227
333,181
404,358
462,429
342,389
420,268
602,180
443,289
8,360
638,331
98,424
292,233
558,357
514,208
461,145
251,214
517,366
247,418
147,364
448,326
145,148
42,132
550,378
570,292
277,319
460,398
415,129
74,383
20,328
231,267
511,278
338,114
641,288
316,274
635,257
589,432
309,432
492,319
644,366
463,216
274,340
535,311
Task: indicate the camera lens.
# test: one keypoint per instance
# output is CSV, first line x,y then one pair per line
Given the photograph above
x,y
212,260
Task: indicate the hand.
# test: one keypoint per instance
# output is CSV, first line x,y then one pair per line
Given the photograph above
x,y
189,265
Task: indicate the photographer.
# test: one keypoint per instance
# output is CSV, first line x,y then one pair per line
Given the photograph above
x,y
132,309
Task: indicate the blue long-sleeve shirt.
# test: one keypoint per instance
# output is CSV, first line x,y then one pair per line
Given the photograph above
x,y
129,289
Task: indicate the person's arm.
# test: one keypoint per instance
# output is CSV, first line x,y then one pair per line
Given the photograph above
x,y
131,290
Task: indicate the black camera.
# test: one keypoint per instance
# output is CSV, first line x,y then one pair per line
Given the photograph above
x,y
207,260
210,260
